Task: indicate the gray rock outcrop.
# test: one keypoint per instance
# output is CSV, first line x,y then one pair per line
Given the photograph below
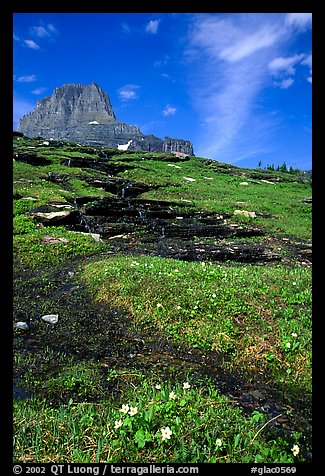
x,y
84,114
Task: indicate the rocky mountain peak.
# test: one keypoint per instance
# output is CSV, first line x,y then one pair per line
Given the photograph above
x,y
84,114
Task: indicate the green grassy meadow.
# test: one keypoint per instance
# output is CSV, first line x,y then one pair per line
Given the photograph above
x,y
105,389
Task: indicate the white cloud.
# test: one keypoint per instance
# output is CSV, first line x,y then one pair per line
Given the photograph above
x,y
31,44
232,58
283,68
308,61
169,110
38,91
231,54
39,31
125,28
51,28
152,26
26,79
233,39
299,20
129,91
285,64
249,44
43,31
286,83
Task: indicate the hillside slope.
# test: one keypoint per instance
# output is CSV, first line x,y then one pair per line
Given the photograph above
x,y
134,268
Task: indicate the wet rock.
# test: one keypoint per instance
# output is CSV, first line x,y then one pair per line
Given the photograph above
x,y
241,252
49,215
20,393
257,394
31,159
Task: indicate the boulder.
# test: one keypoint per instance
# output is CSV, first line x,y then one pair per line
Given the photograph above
x,y
51,318
245,213
21,325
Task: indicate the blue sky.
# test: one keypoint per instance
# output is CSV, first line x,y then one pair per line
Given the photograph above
x,y
237,85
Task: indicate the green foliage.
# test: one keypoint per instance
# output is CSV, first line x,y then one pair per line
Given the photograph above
x,y
253,318
76,380
23,225
154,422
32,249
242,311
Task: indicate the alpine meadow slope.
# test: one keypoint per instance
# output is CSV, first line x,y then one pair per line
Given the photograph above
x,y
180,294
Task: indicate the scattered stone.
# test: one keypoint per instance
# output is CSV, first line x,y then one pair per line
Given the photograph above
x,y
22,325
52,239
51,318
62,205
96,237
267,181
50,215
243,183
257,394
180,154
245,213
189,179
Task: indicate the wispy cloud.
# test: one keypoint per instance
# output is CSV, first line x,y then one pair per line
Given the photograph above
x,y
152,26
285,64
40,32
169,110
284,68
128,92
248,44
301,21
43,31
125,28
31,44
233,57
308,60
38,91
285,83
30,78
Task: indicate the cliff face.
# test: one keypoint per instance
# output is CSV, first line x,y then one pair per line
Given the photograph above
x,y
84,114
